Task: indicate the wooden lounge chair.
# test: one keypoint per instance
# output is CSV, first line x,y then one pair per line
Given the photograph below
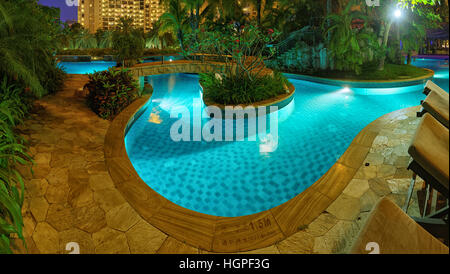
x,y
431,86
436,103
430,161
389,230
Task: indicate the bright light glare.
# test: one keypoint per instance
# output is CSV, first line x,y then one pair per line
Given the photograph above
x,y
398,13
345,90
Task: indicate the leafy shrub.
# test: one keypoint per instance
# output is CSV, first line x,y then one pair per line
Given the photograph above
x,y
110,92
92,52
128,42
347,43
245,47
156,52
227,90
12,151
54,79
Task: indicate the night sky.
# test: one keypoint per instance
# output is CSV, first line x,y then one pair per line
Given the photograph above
x,y
67,13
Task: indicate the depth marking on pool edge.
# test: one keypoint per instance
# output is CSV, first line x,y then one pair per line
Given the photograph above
x,y
260,225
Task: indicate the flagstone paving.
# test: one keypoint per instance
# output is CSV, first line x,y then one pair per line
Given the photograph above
x,y
70,196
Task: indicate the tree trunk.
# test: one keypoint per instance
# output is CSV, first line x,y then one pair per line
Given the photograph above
x,y
197,15
386,33
329,11
408,58
180,39
385,41
258,7
399,57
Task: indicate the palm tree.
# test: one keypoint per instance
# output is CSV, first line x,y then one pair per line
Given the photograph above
x,y
175,19
293,15
263,8
413,32
104,38
156,38
129,42
194,12
83,40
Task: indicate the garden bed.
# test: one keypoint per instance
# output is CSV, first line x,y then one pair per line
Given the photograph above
x,y
280,101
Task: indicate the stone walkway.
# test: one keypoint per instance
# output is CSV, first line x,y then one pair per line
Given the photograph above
x,y
70,197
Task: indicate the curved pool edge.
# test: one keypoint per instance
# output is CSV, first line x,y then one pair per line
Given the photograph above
x,y
365,83
232,234
279,101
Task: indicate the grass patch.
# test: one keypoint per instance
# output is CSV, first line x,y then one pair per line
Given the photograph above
x,y
370,72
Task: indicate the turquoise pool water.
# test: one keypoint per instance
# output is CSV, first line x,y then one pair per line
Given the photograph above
x,y
440,68
93,66
85,67
240,178
167,58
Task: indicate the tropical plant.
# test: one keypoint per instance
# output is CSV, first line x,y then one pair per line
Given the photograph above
x,y
263,8
410,37
383,17
231,90
13,108
195,15
104,38
242,47
128,42
55,78
91,52
175,19
28,40
82,39
344,42
158,38
111,91
245,78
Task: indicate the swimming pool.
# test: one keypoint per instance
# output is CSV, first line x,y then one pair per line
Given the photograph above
x,y
440,68
85,67
93,66
240,178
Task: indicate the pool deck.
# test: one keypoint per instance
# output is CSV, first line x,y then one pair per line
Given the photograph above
x,y
76,195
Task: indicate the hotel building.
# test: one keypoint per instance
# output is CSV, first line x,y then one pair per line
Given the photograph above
x,y
105,14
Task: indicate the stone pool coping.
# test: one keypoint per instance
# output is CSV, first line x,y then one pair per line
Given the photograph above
x,y
232,234
366,83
